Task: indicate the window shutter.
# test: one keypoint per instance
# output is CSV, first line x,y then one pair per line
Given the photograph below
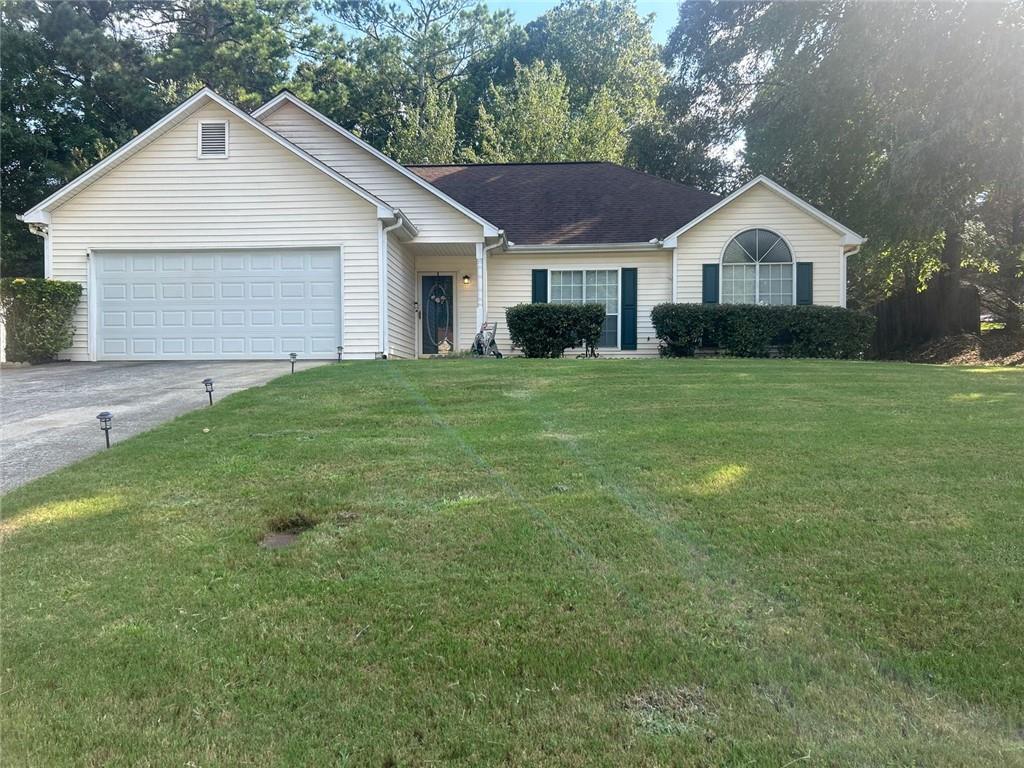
x,y
628,340
710,278
540,286
804,282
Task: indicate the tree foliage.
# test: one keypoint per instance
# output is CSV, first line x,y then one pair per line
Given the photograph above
x,y
532,120
900,119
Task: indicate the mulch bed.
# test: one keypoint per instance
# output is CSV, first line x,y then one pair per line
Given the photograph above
x,y
990,348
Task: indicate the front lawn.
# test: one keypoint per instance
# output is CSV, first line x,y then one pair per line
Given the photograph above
x,y
515,562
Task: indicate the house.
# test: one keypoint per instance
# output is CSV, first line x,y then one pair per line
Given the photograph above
x,y
221,234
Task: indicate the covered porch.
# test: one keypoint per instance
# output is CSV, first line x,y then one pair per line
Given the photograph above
x,y
437,297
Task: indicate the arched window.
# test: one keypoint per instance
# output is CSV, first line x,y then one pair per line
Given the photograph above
x,y
757,268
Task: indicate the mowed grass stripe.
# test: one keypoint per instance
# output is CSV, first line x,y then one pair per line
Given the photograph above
x,y
520,562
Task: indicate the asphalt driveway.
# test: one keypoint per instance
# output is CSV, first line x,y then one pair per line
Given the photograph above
x,y
48,412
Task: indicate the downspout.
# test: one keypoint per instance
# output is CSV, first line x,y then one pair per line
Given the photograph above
x,y
845,282
43,231
482,277
382,247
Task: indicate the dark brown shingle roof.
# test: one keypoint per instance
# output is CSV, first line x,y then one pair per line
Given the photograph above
x,y
570,203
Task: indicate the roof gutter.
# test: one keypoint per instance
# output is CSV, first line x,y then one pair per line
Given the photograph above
x,y
584,247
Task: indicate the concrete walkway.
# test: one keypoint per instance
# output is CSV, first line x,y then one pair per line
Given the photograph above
x,y
48,412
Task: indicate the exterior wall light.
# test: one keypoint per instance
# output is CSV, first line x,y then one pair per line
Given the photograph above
x,y
105,418
465,279
208,383
340,350
292,357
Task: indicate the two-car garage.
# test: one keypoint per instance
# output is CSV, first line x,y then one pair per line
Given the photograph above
x,y
224,304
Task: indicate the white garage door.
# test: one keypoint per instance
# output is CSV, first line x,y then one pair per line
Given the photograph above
x,y
206,305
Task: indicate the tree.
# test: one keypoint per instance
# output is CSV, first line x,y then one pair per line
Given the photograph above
x,y
855,107
419,45
601,46
74,88
530,120
427,135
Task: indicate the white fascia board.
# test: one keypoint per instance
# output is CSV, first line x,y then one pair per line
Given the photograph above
x,y
849,237
583,247
490,230
172,118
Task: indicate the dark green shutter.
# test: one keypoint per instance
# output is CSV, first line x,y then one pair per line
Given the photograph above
x,y
804,282
628,340
710,278
540,286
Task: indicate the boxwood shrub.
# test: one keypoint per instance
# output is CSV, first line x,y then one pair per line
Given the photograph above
x,y
547,330
753,330
37,317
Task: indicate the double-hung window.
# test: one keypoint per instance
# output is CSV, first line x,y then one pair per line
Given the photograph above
x,y
590,286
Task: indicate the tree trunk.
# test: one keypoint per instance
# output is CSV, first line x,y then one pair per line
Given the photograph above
x,y
1008,271
947,282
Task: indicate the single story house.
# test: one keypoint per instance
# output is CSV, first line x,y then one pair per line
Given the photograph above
x,y
220,234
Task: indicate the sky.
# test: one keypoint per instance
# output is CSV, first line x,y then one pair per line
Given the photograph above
x,y
665,12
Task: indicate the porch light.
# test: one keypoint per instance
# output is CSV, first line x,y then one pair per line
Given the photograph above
x,y
292,357
105,418
340,350
208,383
465,279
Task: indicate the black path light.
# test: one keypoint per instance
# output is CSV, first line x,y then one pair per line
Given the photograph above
x,y
292,355
208,383
105,418
340,350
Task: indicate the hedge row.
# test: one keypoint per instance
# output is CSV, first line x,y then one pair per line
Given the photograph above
x,y
37,317
754,330
547,330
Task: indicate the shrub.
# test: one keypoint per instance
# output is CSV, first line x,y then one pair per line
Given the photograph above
x,y
753,330
37,316
546,330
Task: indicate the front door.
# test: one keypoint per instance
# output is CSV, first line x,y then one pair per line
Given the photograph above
x,y
437,311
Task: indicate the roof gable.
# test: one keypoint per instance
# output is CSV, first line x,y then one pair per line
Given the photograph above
x,y
288,102
847,235
40,212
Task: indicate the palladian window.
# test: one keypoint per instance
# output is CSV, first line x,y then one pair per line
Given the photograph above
x,y
757,268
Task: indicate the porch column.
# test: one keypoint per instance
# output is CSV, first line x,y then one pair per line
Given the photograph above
x,y
480,277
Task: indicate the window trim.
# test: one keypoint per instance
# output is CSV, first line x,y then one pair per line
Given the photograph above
x,y
618,286
757,265
227,140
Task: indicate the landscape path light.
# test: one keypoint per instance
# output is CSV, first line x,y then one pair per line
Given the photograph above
x,y
340,349
292,355
208,383
105,418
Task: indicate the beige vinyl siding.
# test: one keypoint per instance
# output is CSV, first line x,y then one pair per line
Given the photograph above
x,y
509,282
465,295
401,281
435,219
809,239
164,197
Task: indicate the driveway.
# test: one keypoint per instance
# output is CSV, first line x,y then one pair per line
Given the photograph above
x,y
48,412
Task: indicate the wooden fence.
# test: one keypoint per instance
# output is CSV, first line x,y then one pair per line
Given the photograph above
x,y
906,320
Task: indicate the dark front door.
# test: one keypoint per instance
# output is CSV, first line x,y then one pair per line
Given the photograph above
x,y
437,310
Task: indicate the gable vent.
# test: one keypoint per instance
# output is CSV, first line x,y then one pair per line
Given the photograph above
x,y
213,139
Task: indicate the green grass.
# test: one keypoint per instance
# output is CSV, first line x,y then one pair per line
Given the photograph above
x,y
515,562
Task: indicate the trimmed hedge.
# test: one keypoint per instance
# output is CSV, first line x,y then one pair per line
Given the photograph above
x,y
754,330
37,316
546,330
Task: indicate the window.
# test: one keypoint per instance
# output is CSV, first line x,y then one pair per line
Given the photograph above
x,y
598,286
213,138
757,268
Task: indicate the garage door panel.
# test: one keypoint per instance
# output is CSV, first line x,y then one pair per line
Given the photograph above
x,y
242,304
